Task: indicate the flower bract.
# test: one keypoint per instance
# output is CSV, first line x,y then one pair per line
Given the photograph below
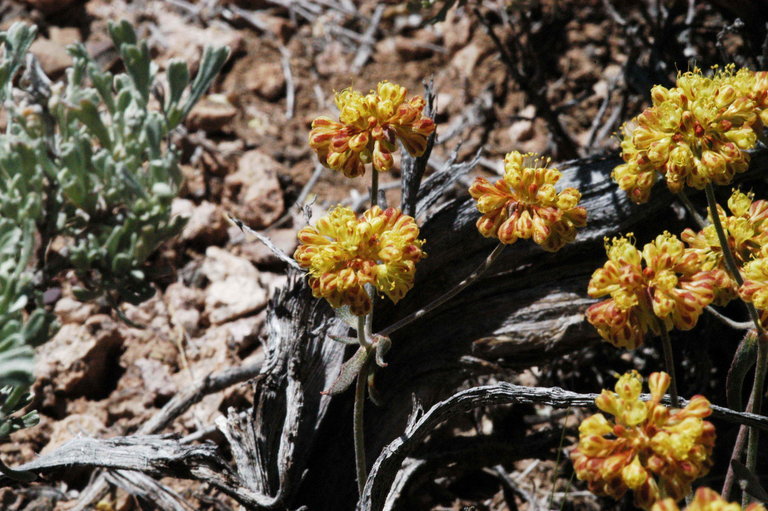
x,y
664,281
344,252
368,129
525,204
647,447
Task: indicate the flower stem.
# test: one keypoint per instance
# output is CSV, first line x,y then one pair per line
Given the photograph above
x,y
757,398
738,447
357,425
669,361
730,260
447,296
374,187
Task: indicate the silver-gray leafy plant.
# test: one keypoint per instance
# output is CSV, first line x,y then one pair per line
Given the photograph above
x,y
86,163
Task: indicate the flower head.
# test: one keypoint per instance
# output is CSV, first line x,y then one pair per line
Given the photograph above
x,y
694,134
663,281
647,447
368,129
525,204
343,253
747,232
705,499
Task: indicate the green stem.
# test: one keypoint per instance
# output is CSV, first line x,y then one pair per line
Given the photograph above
x,y
357,426
669,362
757,400
730,260
447,296
374,187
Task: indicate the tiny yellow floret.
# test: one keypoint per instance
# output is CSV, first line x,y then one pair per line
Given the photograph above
x,y
525,204
344,252
368,129
648,448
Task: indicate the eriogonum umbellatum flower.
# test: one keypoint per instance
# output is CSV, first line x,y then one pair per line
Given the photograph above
x,y
368,129
705,499
663,281
525,204
747,232
647,447
694,134
343,253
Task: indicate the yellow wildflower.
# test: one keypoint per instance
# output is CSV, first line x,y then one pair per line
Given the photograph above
x,y
705,499
670,285
368,129
344,253
525,204
694,134
648,448
747,232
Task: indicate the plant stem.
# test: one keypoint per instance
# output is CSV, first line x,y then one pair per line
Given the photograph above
x,y
374,187
738,446
669,361
447,296
757,399
357,426
730,260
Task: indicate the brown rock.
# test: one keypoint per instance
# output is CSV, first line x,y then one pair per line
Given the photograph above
x,y
64,35
267,80
80,359
211,114
253,193
194,181
260,255
70,310
184,305
411,49
467,58
53,57
235,288
207,224
456,30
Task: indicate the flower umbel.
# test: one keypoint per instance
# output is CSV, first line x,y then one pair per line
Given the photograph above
x,y
705,499
343,253
670,285
747,232
368,129
647,447
694,134
525,204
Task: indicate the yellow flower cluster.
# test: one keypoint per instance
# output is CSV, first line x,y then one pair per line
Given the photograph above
x,y
747,232
343,253
671,285
695,133
368,129
525,204
705,499
648,448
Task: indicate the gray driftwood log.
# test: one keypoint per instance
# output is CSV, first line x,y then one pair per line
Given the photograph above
x,y
294,447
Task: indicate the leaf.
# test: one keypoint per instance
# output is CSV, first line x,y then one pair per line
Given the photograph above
x,y
743,361
349,371
749,481
383,344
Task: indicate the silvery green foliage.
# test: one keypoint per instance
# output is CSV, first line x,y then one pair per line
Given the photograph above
x,y
87,162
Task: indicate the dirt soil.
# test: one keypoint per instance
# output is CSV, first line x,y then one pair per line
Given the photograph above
x,y
245,153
